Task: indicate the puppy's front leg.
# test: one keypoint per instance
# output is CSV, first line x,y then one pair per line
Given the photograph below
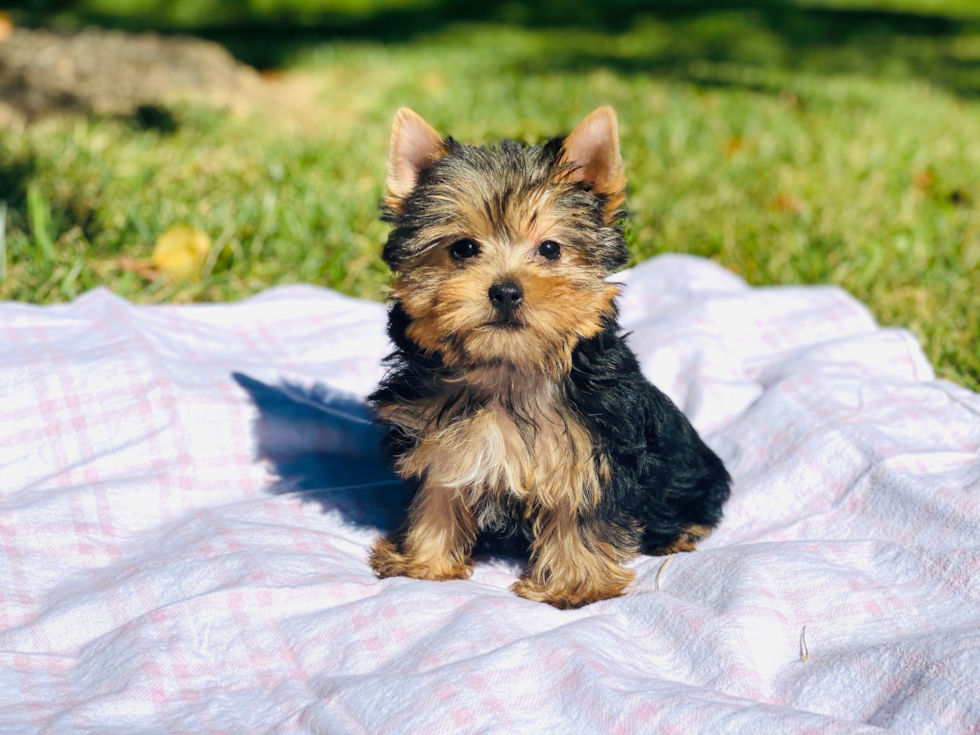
x,y
576,561
436,542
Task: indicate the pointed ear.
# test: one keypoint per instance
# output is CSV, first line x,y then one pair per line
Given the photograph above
x,y
594,149
414,145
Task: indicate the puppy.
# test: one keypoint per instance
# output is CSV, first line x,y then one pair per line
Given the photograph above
x,y
512,404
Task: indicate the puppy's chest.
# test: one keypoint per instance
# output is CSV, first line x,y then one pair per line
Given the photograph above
x,y
533,448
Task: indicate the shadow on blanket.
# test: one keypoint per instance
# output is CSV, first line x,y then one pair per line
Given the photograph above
x,y
321,444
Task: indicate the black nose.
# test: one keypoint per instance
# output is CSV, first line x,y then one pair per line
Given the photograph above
x,y
506,296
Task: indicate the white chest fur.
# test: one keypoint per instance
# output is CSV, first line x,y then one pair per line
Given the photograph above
x,y
522,440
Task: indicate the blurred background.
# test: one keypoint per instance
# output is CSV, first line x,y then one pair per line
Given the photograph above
x,y
194,150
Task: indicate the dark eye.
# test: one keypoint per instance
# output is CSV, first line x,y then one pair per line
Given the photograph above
x,y
550,250
463,249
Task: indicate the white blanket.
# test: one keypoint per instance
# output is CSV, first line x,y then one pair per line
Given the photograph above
x,y
155,578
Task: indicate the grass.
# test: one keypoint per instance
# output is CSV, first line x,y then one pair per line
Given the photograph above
x,y
798,146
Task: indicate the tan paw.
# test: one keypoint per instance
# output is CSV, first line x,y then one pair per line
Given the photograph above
x,y
569,598
687,541
444,572
387,561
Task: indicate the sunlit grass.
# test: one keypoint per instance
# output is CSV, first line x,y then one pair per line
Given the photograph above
x,y
855,165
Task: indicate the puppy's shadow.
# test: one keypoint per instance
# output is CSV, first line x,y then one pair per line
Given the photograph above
x,y
322,445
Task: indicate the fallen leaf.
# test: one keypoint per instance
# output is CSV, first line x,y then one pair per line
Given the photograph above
x,y
141,267
6,26
180,251
923,179
789,203
788,98
734,145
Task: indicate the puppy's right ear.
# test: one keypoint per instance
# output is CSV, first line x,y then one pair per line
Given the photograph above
x,y
414,146
593,149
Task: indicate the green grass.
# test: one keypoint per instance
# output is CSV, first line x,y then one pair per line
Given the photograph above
x,y
791,147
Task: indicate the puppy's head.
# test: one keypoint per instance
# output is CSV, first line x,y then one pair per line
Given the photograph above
x,y
500,253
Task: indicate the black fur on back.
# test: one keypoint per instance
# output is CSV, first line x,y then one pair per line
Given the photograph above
x,y
663,475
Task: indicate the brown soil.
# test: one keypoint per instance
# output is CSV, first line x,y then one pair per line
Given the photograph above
x,y
111,73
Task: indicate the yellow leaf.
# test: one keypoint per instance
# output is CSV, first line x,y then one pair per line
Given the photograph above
x,y
6,26
180,251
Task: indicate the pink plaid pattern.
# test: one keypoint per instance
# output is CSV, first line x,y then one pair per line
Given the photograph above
x,y
151,583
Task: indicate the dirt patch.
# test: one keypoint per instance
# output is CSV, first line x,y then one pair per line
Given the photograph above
x,y
100,72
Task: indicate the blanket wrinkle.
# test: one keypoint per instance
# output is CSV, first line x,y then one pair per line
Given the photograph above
x,y
188,495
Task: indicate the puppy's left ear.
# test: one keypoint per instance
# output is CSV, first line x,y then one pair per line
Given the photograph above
x,y
593,148
415,145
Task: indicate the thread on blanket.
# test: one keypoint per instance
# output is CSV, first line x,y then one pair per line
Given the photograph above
x,y
805,652
860,406
661,570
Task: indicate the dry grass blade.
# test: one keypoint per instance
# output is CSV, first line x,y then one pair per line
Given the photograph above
x,y
661,570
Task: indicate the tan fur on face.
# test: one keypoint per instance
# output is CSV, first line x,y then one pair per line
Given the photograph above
x,y
564,300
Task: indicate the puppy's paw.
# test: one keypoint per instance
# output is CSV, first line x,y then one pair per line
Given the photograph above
x,y
448,571
688,540
569,598
387,561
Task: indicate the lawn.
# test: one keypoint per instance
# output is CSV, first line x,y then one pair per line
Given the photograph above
x,y
790,144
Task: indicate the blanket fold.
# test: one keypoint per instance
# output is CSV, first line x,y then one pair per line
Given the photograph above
x,y
188,495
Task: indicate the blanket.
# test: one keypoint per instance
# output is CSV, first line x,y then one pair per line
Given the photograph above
x,y
188,495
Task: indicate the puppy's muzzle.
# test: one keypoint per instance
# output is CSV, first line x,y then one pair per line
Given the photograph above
x,y
506,297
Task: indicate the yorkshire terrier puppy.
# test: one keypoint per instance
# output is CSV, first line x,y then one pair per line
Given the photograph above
x,y
512,403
